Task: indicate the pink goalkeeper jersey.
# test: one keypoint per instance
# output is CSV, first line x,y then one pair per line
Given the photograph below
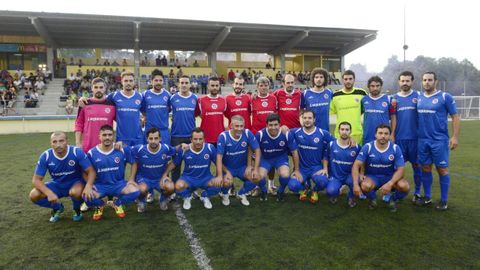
x,y
91,118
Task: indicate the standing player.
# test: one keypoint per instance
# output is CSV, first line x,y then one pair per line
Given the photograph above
x,y
65,165
150,163
275,146
238,103
183,116
234,159
318,98
156,106
433,107
384,169
196,173
211,108
341,155
312,144
377,109
289,102
406,134
347,106
109,164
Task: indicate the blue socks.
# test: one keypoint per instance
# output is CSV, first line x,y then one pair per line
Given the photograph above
x,y
427,180
127,198
444,186
417,178
283,184
247,187
45,203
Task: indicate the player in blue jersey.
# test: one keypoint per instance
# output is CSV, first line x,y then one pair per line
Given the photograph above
x,y
377,109
196,173
341,155
406,134
65,164
109,164
234,159
150,163
384,169
433,108
312,146
156,106
275,146
318,98
183,106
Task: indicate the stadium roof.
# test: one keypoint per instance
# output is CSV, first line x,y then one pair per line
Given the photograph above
x,y
61,30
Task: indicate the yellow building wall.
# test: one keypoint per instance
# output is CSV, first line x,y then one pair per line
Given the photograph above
x,y
21,39
143,70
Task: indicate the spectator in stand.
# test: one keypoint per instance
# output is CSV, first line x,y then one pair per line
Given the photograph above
x,y
158,61
72,62
69,104
115,64
85,85
106,63
231,75
97,62
124,63
164,61
195,64
40,86
145,62
80,63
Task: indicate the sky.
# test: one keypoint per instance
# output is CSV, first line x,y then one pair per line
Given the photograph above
x,y
433,28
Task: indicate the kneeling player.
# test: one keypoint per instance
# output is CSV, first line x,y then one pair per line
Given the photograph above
x,y
384,169
234,149
196,172
109,164
65,164
150,163
341,155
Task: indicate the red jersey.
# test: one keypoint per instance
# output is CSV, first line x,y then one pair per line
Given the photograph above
x,y
238,105
211,110
91,118
261,108
289,107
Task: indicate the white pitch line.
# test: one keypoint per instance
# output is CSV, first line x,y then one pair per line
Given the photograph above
x,y
203,261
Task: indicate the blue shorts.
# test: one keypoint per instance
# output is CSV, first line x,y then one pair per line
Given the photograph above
x,y
238,172
194,183
63,189
113,190
409,150
151,184
379,179
433,152
344,181
276,163
307,173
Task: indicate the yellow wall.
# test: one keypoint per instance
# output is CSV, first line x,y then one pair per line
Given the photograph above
x,y
35,126
143,70
21,39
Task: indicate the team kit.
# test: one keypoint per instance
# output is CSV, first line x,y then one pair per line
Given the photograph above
x,y
283,132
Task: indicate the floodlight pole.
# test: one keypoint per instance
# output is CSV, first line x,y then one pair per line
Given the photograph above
x,y
405,46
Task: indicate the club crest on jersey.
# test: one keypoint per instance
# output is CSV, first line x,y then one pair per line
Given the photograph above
x,y
165,98
390,157
214,106
71,163
353,153
316,140
325,96
117,160
288,101
281,143
164,156
107,110
435,101
206,156
193,101
264,104
138,101
244,144
238,102
414,100
384,104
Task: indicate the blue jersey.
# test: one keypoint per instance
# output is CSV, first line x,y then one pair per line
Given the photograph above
x,y
235,151
183,114
110,166
376,111
63,170
407,117
433,114
319,103
128,115
340,159
156,107
381,162
312,146
271,147
197,164
152,165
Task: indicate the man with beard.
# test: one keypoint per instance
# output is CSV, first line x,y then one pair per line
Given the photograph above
x,y
289,102
384,169
377,109
65,164
211,109
347,106
238,103
318,98
156,106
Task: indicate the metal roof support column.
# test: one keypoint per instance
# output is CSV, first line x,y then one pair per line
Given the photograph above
x,y
212,61
136,54
50,57
282,63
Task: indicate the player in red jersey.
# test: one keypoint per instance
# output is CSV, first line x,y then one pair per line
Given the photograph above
x,y
211,108
238,103
263,104
288,100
